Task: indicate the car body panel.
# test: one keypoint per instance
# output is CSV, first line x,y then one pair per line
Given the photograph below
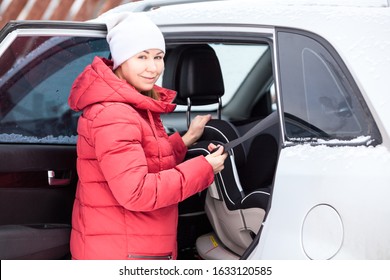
x,y
356,187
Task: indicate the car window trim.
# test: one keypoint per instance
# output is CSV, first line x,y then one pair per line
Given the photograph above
x,y
27,28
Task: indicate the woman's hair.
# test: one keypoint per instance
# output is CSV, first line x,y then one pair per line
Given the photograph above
x,y
152,94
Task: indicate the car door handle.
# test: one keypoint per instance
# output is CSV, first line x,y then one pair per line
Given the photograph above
x,y
53,181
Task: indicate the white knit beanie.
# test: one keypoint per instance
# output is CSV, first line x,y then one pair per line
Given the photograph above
x,y
131,33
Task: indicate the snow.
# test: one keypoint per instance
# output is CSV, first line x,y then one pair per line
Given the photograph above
x,y
341,153
352,3
335,142
50,139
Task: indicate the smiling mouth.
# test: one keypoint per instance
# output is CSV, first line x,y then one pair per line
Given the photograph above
x,y
149,78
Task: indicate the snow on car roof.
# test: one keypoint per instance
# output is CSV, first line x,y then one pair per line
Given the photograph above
x,y
355,3
148,5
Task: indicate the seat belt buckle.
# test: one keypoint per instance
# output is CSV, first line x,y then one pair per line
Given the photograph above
x,y
217,148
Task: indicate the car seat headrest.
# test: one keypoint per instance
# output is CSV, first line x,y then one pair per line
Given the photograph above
x,y
194,72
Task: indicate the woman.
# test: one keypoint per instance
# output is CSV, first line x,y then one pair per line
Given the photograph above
x,y
131,174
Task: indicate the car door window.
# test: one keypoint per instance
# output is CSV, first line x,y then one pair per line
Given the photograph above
x,y
320,98
236,61
36,78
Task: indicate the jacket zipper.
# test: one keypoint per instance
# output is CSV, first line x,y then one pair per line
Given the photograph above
x,y
154,129
166,257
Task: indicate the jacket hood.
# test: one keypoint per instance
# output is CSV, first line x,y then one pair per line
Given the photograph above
x,y
98,83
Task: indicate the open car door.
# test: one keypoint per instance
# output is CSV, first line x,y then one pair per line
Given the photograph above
x,y
38,134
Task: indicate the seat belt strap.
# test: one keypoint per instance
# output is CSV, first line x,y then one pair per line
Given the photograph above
x,y
265,123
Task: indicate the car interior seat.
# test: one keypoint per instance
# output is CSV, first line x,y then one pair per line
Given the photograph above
x,y
235,211
236,203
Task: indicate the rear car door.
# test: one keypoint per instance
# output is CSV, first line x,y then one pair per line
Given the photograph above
x,y
38,133
331,174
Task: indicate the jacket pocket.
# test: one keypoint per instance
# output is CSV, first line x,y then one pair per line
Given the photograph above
x,y
149,256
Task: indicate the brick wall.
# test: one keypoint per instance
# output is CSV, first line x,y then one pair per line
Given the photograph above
x,y
78,10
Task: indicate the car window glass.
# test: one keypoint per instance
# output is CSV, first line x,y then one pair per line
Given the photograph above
x,y
34,88
236,61
318,98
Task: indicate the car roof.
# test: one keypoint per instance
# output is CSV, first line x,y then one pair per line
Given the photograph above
x,y
359,30
148,5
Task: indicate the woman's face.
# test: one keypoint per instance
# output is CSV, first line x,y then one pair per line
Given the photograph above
x,y
143,69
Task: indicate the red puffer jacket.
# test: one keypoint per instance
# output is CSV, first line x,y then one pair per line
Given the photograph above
x,y
130,173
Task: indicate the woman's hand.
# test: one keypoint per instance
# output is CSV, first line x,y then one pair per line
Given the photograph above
x,y
195,130
216,159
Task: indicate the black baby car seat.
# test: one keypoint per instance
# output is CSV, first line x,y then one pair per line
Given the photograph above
x,y
237,200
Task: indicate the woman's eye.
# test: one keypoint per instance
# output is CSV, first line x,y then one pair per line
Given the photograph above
x,y
159,57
